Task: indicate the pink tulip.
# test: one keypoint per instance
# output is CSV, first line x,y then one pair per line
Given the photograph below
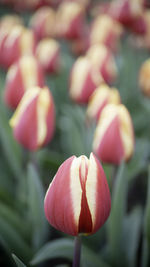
x,y
114,137
22,75
78,199
34,119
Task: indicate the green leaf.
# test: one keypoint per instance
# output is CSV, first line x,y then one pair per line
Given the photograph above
x,y
146,228
63,248
115,222
132,233
10,147
6,259
14,241
18,262
36,206
10,215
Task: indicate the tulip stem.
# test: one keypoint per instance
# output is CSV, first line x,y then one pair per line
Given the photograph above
x,y
77,252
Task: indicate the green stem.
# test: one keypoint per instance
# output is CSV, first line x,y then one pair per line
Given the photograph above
x,y
77,252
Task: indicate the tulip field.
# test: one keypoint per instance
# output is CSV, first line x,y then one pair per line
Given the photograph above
x,y
75,133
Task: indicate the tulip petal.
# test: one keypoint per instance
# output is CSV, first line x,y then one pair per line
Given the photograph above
x,y
63,198
97,193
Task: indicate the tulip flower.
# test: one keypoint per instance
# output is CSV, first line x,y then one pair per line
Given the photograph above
x,y
70,20
78,199
126,11
84,79
114,137
48,54
20,41
20,77
105,30
103,59
144,77
43,22
101,97
34,119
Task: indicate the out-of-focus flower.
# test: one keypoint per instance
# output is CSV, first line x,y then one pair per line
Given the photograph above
x,y
85,3
126,11
7,22
22,75
6,25
78,199
34,119
103,59
48,54
20,41
114,137
102,96
43,22
84,79
107,31
70,19
144,77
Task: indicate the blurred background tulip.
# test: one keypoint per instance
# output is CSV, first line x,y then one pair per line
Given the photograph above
x,y
84,79
48,54
144,77
102,58
102,96
34,119
21,76
43,22
114,138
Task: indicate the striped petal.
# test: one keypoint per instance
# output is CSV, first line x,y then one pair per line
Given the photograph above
x,y
63,198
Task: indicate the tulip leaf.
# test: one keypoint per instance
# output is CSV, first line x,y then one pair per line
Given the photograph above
x,y
146,230
35,200
10,147
18,262
6,259
13,218
14,241
63,248
132,233
115,222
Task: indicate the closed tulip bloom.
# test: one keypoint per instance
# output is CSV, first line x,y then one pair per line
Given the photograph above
x,y
34,119
78,199
105,30
103,59
101,97
83,80
19,42
48,54
114,137
43,22
144,77
126,11
20,77
70,20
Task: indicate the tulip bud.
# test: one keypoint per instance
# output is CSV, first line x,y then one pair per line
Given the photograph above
x,y
126,11
107,31
144,77
7,22
48,54
21,76
103,59
70,20
114,138
43,22
84,80
101,97
34,119
20,41
78,199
